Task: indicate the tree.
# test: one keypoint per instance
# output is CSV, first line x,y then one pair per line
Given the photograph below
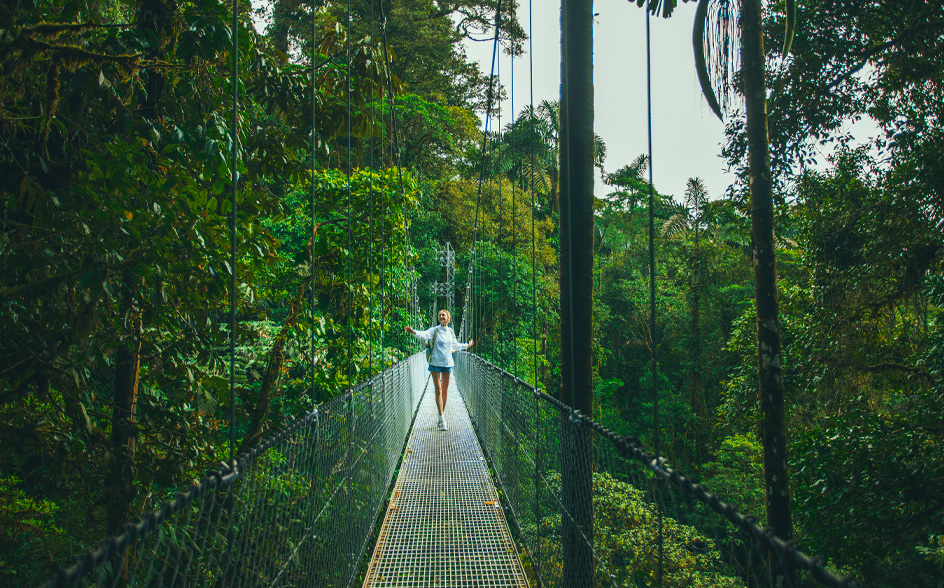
x,y
631,182
769,356
114,204
690,220
527,152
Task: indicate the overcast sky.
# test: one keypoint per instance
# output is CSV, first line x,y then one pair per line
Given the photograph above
x,y
687,137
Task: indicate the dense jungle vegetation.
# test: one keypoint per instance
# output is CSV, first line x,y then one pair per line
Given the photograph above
x,y
115,158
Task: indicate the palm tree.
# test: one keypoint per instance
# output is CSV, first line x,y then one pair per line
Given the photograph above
x,y
533,141
687,221
530,151
630,180
769,357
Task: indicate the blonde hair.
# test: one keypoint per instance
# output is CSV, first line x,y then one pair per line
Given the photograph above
x,y
448,315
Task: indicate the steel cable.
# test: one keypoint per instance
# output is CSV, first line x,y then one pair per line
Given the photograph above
x,y
654,372
489,97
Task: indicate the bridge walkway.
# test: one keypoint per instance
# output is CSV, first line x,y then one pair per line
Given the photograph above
x,y
444,526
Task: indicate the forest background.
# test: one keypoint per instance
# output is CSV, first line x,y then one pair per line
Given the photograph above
x,y
115,160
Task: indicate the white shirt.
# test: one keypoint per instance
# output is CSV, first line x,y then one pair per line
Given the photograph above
x,y
446,343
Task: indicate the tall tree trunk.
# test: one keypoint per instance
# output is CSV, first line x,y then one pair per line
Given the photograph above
x,y
276,358
284,15
769,361
119,485
273,374
157,18
696,395
576,262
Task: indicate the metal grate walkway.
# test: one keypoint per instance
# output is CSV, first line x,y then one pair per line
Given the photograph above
x,y
444,526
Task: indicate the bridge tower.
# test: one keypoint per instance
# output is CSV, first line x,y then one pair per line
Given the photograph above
x,y
447,259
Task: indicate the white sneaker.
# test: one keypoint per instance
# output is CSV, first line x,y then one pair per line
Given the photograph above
x,y
442,423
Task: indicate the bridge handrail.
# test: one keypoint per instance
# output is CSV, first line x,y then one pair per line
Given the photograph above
x,y
120,558
469,378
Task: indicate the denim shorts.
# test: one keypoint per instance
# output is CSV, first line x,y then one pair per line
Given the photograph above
x,y
443,370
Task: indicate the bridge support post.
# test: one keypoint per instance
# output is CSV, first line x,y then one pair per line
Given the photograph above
x,y
576,238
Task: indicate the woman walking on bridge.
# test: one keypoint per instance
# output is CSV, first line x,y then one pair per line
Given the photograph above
x,y
443,343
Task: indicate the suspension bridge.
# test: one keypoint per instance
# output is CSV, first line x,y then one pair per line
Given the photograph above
x,y
523,489
301,508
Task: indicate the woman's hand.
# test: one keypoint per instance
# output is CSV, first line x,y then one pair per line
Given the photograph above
x,y
409,330
471,342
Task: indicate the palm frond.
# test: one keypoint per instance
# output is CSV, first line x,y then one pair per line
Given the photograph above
x,y
653,6
599,151
696,194
784,242
533,171
715,39
676,225
701,62
630,174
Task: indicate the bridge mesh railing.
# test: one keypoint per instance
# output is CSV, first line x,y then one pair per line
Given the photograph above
x,y
651,525
298,511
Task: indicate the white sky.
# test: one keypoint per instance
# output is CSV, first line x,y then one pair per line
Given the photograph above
x,y
687,137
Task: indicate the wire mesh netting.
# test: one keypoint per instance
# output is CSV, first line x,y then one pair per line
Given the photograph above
x,y
651,526
298,511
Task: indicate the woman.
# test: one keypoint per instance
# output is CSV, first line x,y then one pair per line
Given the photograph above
x,y
443,342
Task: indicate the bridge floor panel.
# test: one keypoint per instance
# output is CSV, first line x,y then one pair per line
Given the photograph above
x,y
444,526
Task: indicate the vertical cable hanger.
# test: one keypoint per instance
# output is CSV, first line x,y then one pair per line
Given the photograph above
x,y
652,250
396,152
350,233
652,282
234,177
514,241
534,290
311,244
384,287
370,188
350,274
532,122
470,282
494,344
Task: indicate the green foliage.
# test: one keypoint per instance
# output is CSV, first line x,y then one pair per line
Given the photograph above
x,y
737,474
933,358
856,474
356,276
29,530
114,241
626,540
934,552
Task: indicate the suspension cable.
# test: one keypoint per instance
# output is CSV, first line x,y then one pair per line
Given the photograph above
x,y
494,346
370,189
396,145
652,283
533,121
385,289
350,233
489,97
311,242
514,240
234,176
